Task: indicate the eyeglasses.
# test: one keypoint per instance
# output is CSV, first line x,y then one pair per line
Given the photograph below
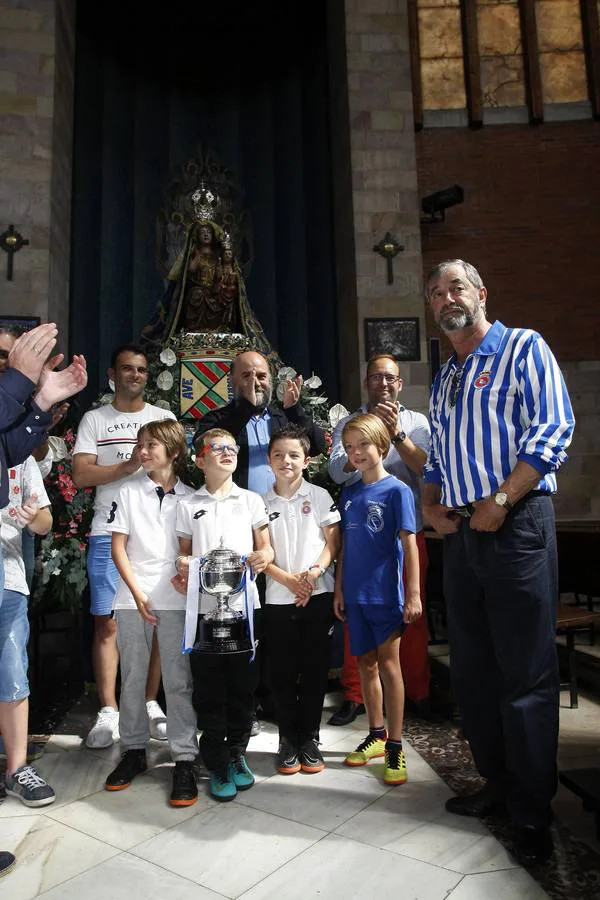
x,y
219,449
455,385
382,377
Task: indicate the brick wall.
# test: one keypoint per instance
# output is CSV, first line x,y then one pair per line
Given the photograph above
x,y
33,79
530,222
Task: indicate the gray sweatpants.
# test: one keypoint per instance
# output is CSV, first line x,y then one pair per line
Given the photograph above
x,y
134,639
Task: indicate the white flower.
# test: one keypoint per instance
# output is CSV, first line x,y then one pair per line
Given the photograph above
x,y
337,413
57,447
313,382
162,404
285,373
168,357
56,572
280,390
165,381
54,553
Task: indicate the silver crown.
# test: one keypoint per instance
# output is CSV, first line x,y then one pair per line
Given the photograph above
x,y
206,203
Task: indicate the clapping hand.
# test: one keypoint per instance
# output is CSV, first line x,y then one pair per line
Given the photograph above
x,y
55,386
292,391
29,352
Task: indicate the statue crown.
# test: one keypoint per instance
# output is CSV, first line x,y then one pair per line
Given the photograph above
x,y
205,203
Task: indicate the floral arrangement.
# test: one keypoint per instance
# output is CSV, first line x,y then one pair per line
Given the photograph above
x,y
61,575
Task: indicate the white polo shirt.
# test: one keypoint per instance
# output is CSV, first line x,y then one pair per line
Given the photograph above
x,y
207,519
152,545
111,436
296,528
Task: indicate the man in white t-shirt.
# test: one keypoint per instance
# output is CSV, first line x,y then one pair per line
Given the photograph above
x,y
104,456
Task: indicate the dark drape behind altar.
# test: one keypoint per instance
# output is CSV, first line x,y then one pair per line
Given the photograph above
x,y
248,81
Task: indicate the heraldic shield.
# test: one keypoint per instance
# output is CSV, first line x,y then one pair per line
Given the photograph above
x,y
204,381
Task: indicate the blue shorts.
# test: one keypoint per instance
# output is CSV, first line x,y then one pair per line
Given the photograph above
x,y
371,626
102,574
14,634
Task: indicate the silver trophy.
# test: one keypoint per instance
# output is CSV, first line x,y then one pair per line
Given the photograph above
x,y
222,630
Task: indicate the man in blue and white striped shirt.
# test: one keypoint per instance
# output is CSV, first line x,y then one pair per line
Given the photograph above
x,y
501,421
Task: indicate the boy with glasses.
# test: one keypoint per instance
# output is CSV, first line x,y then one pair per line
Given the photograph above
x,y
224,685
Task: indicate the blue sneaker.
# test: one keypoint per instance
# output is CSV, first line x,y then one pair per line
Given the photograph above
x,y
242,775
222,785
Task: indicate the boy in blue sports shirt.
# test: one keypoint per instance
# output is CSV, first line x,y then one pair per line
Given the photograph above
x,y
378,528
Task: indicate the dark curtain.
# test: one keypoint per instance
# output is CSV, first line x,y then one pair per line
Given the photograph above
x,y
249,81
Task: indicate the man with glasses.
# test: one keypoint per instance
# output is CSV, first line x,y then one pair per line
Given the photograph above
x,y
501,421
409,434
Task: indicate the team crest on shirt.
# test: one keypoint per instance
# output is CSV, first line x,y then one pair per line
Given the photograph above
x,y
482,380
306,508
375,517
201,512
347,505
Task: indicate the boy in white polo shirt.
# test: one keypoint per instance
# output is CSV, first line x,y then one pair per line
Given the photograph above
x,y
144,547
223,685
303,523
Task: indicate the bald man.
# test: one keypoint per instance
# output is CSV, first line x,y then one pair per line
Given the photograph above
x,y
252,421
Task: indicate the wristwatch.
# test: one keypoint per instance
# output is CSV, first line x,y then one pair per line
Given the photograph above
x,y
501,499
399,438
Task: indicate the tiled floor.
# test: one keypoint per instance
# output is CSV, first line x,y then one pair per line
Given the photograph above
x,y
339,834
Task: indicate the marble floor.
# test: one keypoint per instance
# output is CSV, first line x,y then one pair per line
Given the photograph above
x,y
339,834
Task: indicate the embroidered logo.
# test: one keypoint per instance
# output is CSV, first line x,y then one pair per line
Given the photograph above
x,y
273,516
347,505
201,512
333,507
306,508
482,380
375,517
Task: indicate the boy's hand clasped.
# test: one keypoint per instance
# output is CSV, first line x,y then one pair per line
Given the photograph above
x,y
413,608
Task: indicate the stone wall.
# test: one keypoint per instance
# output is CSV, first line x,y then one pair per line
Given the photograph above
x,y
32,81
384,173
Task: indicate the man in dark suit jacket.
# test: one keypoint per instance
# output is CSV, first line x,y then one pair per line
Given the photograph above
x,y
252,421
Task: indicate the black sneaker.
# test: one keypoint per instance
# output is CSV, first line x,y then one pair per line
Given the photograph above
x,y
287,761
132,763
185,789
7,861
311,759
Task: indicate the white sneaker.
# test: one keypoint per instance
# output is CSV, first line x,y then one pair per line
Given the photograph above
x,y
105,730
157,721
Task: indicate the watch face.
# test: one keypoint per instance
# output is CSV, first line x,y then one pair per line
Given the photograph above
x,y
500,498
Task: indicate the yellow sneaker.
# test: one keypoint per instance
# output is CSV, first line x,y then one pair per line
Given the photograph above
x,y
395,766
370,748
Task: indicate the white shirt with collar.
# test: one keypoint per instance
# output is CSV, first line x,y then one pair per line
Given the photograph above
x,y
152,545
415,426
206,519
296,528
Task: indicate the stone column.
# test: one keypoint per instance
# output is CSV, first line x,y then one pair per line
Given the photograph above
x,y
384,174
37,39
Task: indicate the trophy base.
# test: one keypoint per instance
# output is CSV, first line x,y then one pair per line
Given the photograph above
x,y
222,637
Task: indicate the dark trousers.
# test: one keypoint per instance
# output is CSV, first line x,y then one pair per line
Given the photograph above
x,y
501,593
223,698
299,642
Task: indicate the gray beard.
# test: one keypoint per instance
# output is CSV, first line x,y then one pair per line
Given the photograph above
x,y
456,321
263,398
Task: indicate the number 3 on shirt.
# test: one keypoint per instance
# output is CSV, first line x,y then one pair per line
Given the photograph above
x,y
111,514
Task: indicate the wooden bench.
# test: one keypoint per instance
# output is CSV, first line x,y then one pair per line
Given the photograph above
x,y
569,620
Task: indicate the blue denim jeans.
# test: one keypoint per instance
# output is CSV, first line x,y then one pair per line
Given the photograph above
x,y
14,634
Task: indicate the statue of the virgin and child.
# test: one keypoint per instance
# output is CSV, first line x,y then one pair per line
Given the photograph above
x,y
205,291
